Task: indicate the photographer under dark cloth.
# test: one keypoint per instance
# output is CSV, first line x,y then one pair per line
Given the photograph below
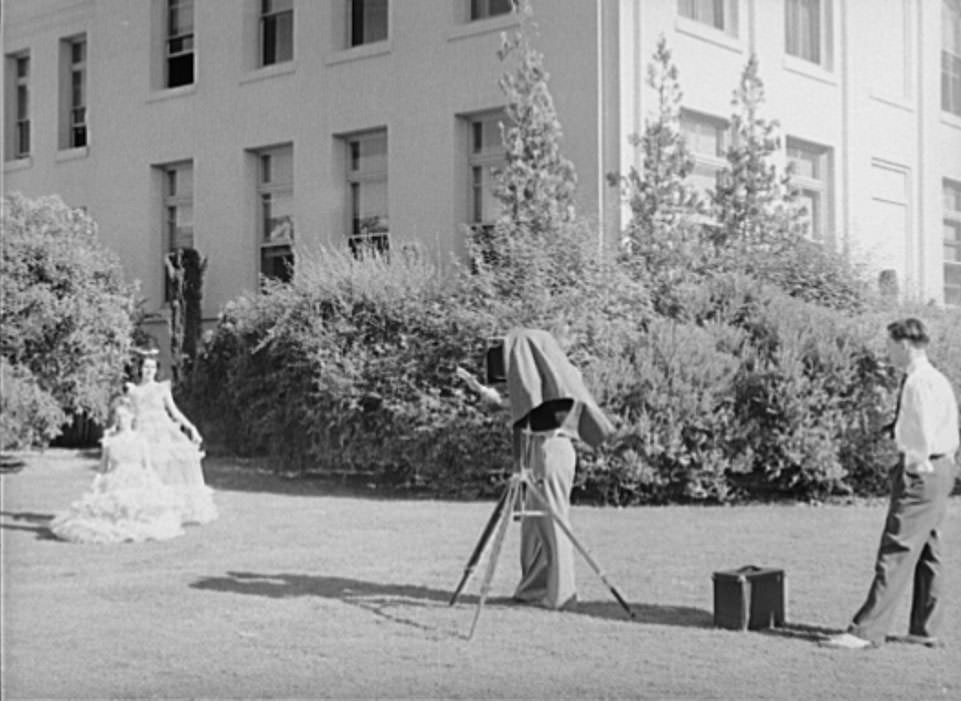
x,y
549,406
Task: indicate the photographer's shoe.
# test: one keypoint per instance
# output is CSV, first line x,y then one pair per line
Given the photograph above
x,y
846,641
926,640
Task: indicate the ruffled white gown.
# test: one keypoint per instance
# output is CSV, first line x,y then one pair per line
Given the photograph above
x,y
174,456
126,503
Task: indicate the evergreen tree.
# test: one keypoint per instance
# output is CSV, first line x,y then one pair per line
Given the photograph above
x,y
658,194
185,271
537,184
752,203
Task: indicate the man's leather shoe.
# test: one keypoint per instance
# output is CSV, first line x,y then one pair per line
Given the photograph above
x,y
846,641
925,640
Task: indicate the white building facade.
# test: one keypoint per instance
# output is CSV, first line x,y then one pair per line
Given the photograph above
x,y
249,128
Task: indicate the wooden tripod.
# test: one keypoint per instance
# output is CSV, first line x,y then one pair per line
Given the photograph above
x,y
511,505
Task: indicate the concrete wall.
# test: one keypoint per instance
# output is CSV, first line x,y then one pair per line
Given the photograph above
x,y
876,105
434,68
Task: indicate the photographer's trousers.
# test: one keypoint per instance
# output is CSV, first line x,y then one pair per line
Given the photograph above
x,y
547,555
910,553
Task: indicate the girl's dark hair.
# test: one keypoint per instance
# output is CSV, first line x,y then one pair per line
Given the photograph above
x,y
910,329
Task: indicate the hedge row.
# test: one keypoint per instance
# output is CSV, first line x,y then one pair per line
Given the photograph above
x,y
743,392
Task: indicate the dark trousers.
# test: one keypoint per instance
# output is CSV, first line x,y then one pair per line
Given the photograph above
x,y
910,550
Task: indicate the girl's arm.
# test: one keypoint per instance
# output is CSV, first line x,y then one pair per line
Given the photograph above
x,y
178,415
104,466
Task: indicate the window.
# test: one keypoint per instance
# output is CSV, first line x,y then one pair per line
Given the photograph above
x,y
367,21
720,14
276,31
807,30
708,139
485,155
482,9
20,68
73,131
180,43
275,196
951,56
178,211
809,166
367,181
952,243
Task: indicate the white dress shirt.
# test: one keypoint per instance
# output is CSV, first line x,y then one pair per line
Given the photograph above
x,y
927,422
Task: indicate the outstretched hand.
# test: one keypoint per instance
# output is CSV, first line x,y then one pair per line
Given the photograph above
x,y
467,377
488,393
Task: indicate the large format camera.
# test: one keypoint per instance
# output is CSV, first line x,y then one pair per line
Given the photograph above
x,y
495,362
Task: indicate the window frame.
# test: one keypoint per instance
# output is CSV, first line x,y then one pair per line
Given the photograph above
x,y
952,219
174,201
480,10
267,247
688,10
77,126
824,58
358,239
364,41
266,15
951,58
187,37
724,138
22,136
819,187
488,157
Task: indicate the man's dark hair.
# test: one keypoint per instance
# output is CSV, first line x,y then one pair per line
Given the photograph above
x,y
911,330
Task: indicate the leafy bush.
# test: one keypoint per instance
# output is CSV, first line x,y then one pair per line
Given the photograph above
x,y
28,415
670,398
66,317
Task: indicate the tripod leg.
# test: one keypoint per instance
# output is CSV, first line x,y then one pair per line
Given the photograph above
x,y
495,551
481,543
535,490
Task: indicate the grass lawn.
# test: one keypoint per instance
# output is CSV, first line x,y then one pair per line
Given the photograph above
x,y
299,592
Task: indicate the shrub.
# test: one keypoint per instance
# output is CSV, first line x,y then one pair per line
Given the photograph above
x,y
676,436
67,314
348,369
28,415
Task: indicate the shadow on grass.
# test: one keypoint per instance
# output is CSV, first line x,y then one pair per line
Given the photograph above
x,y
33,522
801,630
9,464
378,598
251,475
231,474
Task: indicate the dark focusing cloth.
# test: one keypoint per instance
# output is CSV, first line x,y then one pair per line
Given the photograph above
x,y
539,372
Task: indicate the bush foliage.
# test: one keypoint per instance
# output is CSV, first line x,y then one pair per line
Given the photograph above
x,y
65,322
745,393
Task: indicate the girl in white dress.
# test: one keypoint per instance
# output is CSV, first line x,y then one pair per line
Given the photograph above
x,y
127,501
175,457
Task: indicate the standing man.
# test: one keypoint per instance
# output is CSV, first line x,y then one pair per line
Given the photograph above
x,y
550,406
926,433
